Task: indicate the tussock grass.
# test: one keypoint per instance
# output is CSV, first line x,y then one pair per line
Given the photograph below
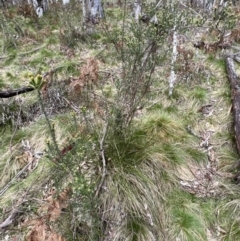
x,y
142,172
13,159
188,221
34,183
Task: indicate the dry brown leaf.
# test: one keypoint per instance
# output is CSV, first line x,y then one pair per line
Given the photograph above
x,y
55,237
38,231
41,231
89,71
50,211
53,206
54,210
25,158
88,77
64,195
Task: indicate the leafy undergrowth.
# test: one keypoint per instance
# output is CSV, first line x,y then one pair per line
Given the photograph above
x,y
102,152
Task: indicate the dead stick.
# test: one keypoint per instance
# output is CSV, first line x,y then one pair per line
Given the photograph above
x,y
104,170
235,91
11,93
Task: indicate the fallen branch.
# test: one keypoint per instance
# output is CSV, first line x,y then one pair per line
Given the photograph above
x,y
235,91
7,221
25,89
11,93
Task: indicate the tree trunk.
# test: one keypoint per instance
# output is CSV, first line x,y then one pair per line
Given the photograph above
x,y
84,11
92,10
137,10
11,93
172,78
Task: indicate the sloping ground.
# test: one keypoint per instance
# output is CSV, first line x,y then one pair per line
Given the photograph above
x,y
168,177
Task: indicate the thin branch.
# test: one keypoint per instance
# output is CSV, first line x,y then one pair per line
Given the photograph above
x,y
190,8
31,51
14,212
104,169
14,178
7,221
74,107
53,71
25,53
158,4
35,158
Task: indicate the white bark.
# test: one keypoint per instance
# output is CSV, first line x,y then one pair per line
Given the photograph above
x,y
65,2
172,78
92,10
137,10
7,222
154,19
39,12
34,3
221,2
84,10
158,4
39,6
96,9
45,5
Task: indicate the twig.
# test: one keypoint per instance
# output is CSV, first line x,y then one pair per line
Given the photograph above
x,y
190,9
53,71
74,107
191,131
32,50
15,210
14,178
158,4
25,53
104,170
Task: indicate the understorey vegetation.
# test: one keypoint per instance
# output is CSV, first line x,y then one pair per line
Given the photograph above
x,y
127,131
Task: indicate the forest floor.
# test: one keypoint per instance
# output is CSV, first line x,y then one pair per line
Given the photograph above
x,y
67,173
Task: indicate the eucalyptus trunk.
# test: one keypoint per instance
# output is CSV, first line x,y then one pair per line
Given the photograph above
x,y
92,10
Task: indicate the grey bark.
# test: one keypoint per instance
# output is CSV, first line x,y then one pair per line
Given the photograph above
x,y
235,92
137,10
92,10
